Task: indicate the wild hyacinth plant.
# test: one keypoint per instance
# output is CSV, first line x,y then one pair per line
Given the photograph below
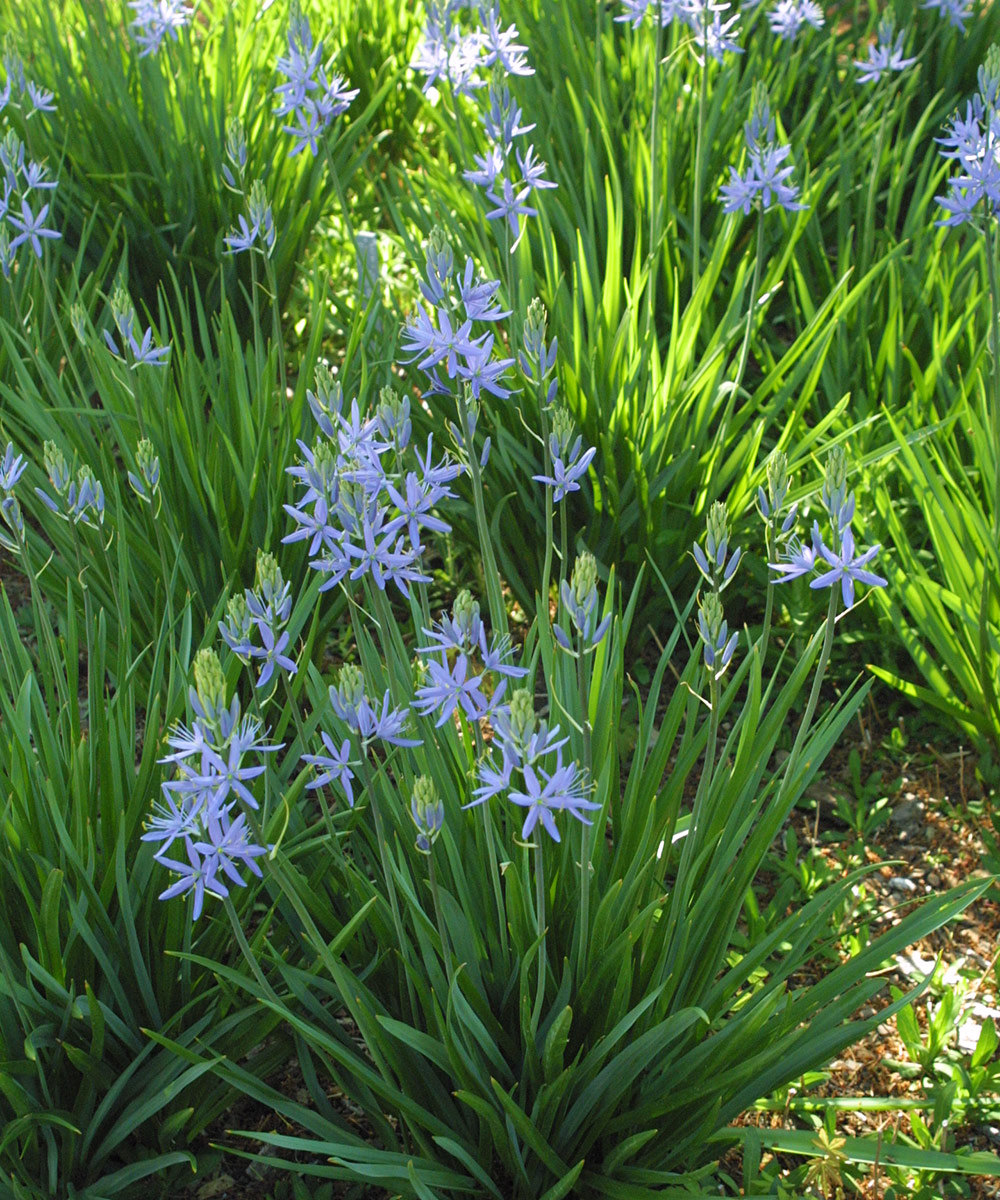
x,y
505,912
950,611
544,1013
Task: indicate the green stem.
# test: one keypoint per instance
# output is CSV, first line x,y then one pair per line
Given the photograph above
x,y
754,287
698,165
494,594
547,458
989,577
654,178
300,728
711,748
248,954
344,212
491,857
540,917
439,920
771,545
564,542
276,334
50,300
582,677
824,659
383,847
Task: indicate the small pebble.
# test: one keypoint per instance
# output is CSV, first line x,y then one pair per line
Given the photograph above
x,y
902,885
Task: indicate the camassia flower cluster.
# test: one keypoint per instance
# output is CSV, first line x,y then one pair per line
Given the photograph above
x,y
309,96
839,561
261,613
464,670
157,19
525,766
764,181
973,142
466,45
443,337
368,494
198,810
711,31
884,54
24,209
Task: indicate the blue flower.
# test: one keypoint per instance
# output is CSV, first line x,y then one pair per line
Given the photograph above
x,y
11,468
848,568
972,142
569,460
31,227
335,765
957,11
272,654
710,32
350,703
123,316
545,794
797,559
762,184
309,96
713,630
788,16
580,599
452,687
886,54
197,806
155,19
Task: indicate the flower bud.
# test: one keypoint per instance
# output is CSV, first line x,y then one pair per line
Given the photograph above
x,y
427,812
146,483
533,329
522,716
261,217
393,417
440,259
838,504
56,467
350,686
209,683
327,401
465,616
236,143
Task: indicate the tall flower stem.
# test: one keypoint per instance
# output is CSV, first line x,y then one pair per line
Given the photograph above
x,y
383,847
771,548
563,541
293,704
272,283
989,575
547,458
741,365
491,858
439,919
583,682
248,954
824,658
699,155
494,594
654,177
540,918
58,322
